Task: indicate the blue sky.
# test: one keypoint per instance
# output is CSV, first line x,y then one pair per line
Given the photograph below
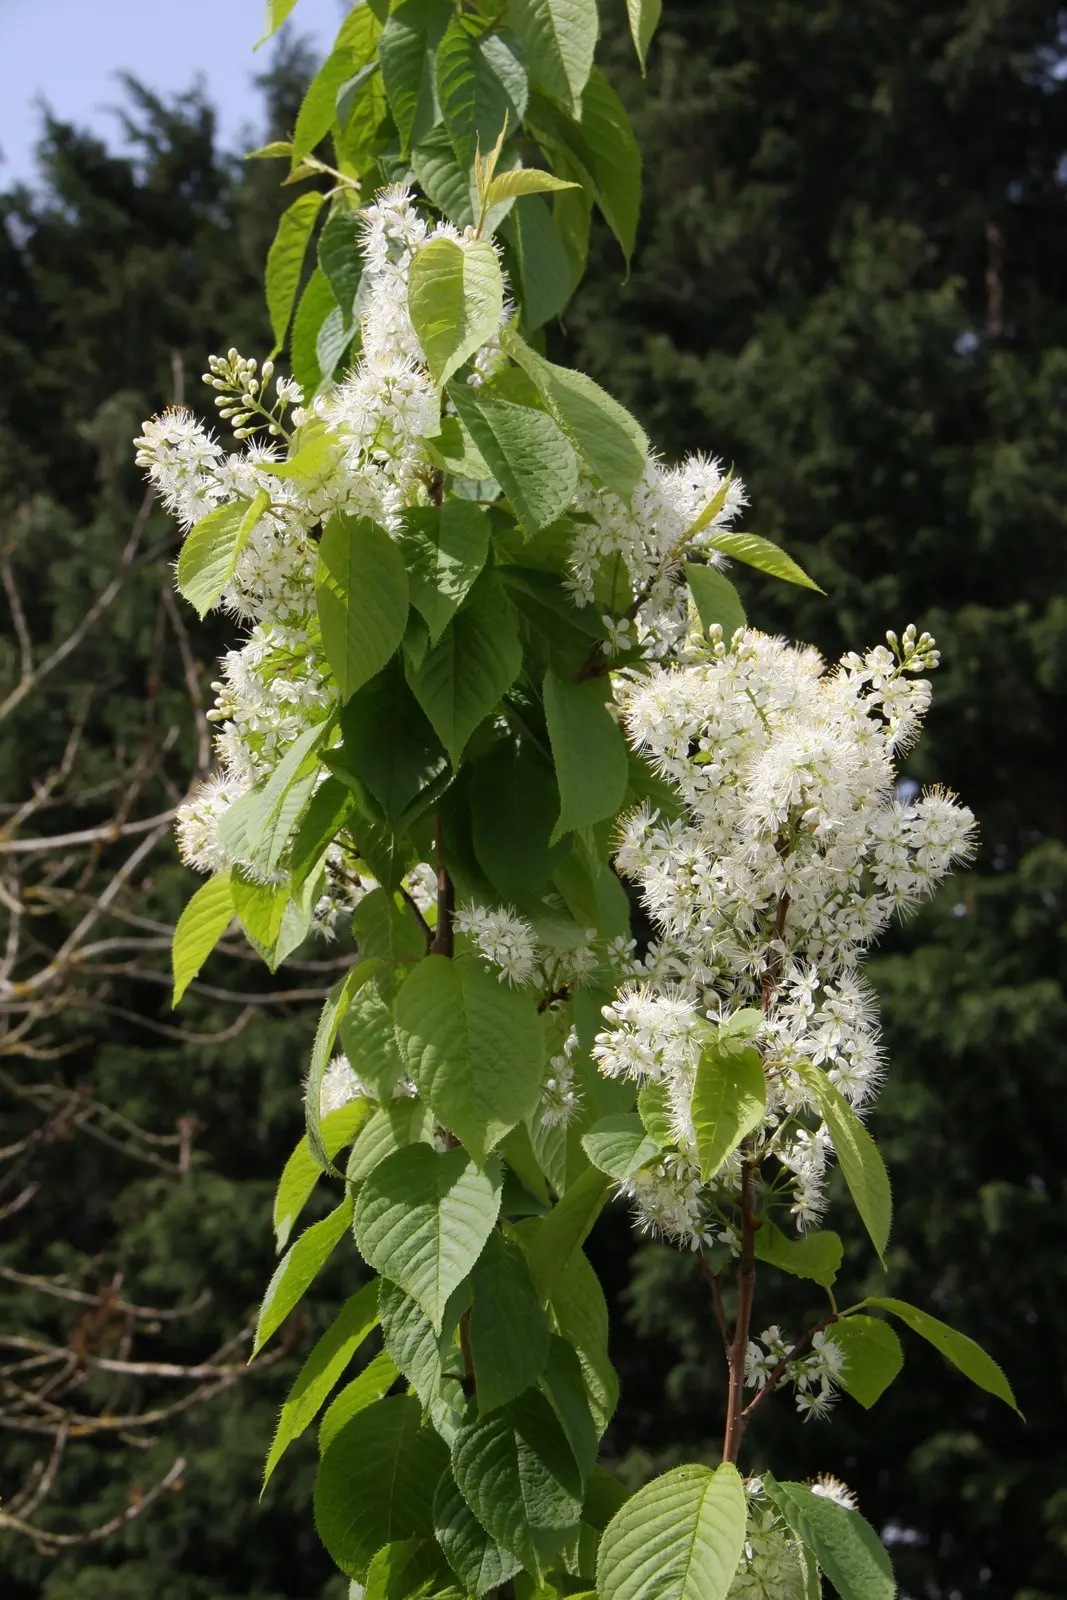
x,y
67,53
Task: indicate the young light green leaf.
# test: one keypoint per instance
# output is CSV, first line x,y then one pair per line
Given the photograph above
x,y
654,1109
811,1255
873,1356
302,1172
678,1538
481,83
609,440
211,550
559,40
463,677
297,1269
589,751
477,1560
619,1145
377,1377
456,298
729,1099
473,1046
525,180
342,261
316,304
527,452
199,929
285,259
715,598
956,1347
580,1311
316,114
276,13
518,1475
509,1333
321,1370
422,1219
761,554
845,1545
361,590
858,1155
565,1229
445,548
644,19
258,825
376,1482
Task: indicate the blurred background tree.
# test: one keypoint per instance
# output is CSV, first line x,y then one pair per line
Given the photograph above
x,y
849,282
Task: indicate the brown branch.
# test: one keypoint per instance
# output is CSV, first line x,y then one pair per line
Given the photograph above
x,y
443,942
48,1543
716,1298
746,1285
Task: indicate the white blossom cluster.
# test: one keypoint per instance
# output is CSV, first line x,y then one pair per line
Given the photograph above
x,y
637,548
341,1083
790,855
814,1374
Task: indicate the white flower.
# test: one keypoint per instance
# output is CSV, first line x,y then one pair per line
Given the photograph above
x,y
340,1084
502,938
832,1488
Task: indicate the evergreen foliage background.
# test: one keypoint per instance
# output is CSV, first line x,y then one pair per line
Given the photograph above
x,y
849,282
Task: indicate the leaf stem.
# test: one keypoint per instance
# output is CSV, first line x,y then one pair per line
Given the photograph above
x,y
443,941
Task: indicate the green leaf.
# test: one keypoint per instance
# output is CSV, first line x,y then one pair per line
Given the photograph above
x,y
873,1356
297,1269
563,1386
256,828
422,1219
609,440
384,927
329,809
361,590
369,1041
276,13
654,1109
315,117
474,1047
644,19
518,1475
321,1370
376,1483
334,1008
509,1333
559,40
858,1155
397,770
211,550
342,262
761,554
286,258
845,1545
603,147
525,180
476,660
957,1348
442,179
481,82
812,1255
478,1562
729,1100
715,598
544,272
302,1172
316,304
678,1538
445,548
566,1229
421,1354
392,1127
407,50
619,1145
406,1570
514,804
377,1377
527,451
580,1312
589,751
456,299
199,929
